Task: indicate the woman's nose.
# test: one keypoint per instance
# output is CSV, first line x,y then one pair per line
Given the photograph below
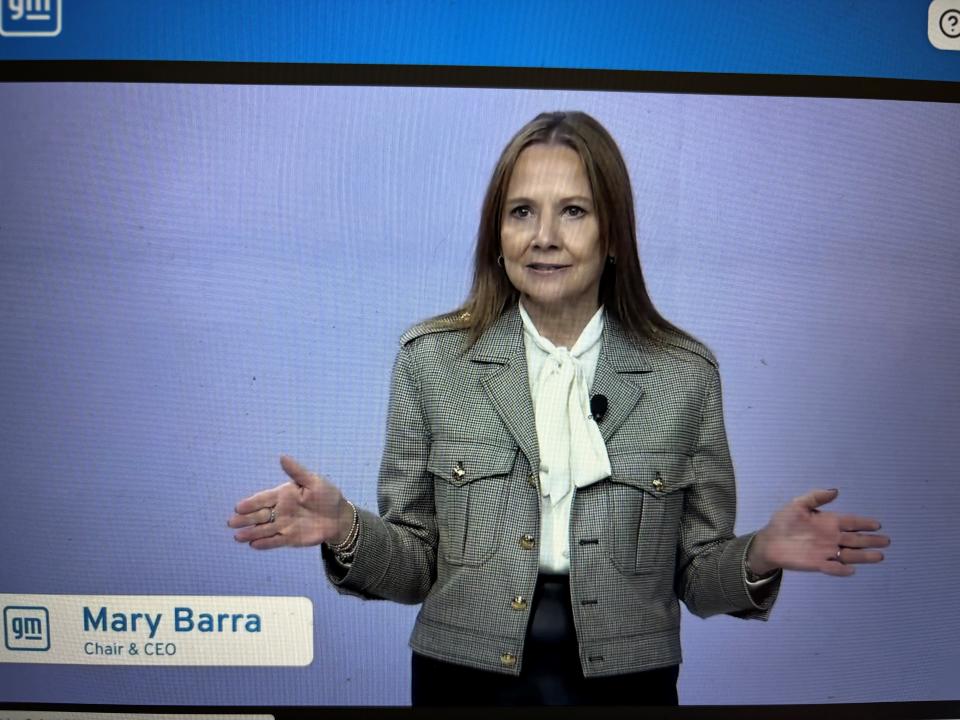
x,y
546,233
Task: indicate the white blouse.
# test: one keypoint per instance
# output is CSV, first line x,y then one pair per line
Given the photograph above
x,y
572,451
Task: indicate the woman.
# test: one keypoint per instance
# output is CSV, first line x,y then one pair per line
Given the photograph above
x,y
556,473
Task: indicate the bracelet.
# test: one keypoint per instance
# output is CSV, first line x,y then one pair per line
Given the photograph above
x,y
753,577
748,571
347,546
345,557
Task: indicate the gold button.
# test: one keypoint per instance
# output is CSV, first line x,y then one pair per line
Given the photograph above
x,y
532,478
508,660
458,470
658,481
528,542
519,603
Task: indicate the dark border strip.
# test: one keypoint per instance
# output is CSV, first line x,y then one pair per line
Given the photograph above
x,y
246,73
929,710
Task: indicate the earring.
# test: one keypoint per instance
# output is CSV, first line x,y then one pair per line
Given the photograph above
x,y
500,260
611,259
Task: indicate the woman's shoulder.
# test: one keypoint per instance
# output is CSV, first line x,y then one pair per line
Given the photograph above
x,y
689,348
660,345
447,329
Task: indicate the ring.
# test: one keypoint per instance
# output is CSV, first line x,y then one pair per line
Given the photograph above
x,y
273,516
837,558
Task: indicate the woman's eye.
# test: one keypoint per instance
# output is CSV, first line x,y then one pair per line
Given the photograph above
x,y
575,211
521,211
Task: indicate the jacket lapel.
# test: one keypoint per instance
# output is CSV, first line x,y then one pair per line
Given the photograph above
x,y
620,357
507,384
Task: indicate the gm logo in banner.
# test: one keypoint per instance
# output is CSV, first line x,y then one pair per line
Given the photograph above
x,y
30,18
26,628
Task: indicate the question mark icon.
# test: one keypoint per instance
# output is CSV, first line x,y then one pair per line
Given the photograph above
x,y
950,23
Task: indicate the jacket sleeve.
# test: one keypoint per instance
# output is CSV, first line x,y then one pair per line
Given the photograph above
x,y
711,576
396,551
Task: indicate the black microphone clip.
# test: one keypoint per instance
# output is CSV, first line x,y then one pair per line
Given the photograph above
x,y
598,407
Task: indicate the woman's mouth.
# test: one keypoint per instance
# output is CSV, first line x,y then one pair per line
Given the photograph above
x,y
546,268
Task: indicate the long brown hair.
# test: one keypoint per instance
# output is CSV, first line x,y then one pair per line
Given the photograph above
x,y
622,289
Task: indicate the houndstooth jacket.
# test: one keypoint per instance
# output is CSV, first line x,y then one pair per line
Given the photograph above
x,y
459,503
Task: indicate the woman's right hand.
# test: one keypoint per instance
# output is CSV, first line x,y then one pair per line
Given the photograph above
x,y
309,510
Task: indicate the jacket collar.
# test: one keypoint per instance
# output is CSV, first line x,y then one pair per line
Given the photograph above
x,y
502,343
508,386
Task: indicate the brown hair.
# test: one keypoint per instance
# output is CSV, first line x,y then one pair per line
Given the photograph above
x,y
622,289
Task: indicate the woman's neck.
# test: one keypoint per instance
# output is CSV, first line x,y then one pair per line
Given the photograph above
x,y
561,326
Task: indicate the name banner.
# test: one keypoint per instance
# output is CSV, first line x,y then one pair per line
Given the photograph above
x,y
157,630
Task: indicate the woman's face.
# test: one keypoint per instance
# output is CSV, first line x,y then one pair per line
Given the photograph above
x,y
549,234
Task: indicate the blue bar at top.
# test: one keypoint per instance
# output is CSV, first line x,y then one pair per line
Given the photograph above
x,y
866,38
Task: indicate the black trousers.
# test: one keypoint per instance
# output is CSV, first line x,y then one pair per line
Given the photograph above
x,y
551,673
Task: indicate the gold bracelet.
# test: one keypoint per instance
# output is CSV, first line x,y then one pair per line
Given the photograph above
x,y
351,539
347,553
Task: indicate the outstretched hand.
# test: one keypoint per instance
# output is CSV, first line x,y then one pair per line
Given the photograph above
x,y
799,536
307,510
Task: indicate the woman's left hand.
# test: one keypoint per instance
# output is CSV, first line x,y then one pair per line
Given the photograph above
x,y
801,537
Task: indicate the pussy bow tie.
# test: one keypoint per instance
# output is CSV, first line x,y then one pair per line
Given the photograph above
x,y
572,450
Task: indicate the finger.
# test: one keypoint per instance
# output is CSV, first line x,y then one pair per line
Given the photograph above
x,y
836,569
857,522
258,517
816,498
850,556
264,499
299,474
859,540
257,532
269,543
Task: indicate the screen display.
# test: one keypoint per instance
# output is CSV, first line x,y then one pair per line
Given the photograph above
x,y
219,222
198,278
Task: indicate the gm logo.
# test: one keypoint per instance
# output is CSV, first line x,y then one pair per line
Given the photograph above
x,y
30,18
26,628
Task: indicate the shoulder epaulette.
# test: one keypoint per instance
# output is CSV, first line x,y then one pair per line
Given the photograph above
x,y
686,343
441,323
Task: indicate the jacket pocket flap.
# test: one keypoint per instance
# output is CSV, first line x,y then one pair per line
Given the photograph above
x,y
462,462
657,473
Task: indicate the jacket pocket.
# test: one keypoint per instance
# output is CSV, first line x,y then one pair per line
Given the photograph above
x,y
645,499
471,485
